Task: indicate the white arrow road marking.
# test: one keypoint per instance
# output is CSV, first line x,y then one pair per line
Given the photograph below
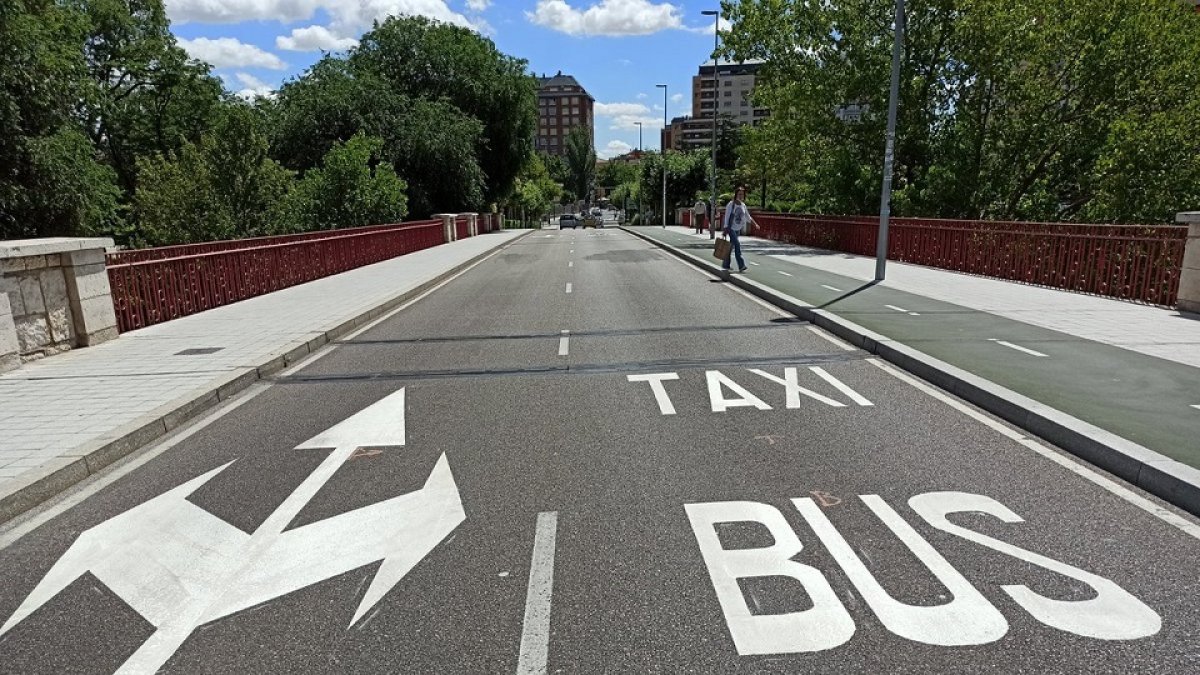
x,y
181,567
1018,348
535,635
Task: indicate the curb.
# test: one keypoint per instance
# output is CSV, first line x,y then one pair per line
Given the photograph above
x,y
1170,480
75,465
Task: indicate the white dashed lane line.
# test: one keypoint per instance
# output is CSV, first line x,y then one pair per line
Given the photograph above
x,y
568,288
835,290
564,343
901,309
783,273
1019,348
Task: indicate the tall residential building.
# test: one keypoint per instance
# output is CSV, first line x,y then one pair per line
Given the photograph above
x,y
727,90
563,104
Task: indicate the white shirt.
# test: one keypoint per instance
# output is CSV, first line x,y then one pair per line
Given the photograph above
x,y
736,216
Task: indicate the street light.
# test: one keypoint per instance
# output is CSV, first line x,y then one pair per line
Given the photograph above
x,y
641,214
885,199
716,15
664,155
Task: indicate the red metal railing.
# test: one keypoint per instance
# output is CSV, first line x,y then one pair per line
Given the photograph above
x,y
150,286
461,228
1131,262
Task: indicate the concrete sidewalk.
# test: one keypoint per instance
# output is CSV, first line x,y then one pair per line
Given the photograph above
x,y
1113,381
65,417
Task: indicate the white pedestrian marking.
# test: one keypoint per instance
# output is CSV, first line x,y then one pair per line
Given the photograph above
x,y
660,391
783,273
836,290
564,343
898,309
535,635
791,384
1163,514
841,386
568,287
1112,614
205,569
824,625
1018,348
717,381
968,619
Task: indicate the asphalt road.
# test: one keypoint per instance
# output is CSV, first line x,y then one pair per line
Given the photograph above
x,y
683,481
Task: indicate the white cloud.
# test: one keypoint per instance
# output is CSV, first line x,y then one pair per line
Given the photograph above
x,y
642,96
723,25
236,11
230,53
253,87
312,39
478,5
615,109
608,17
629,122
677,97
613,149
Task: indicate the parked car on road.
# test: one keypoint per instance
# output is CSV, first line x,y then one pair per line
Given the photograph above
x,y
567,220
591,220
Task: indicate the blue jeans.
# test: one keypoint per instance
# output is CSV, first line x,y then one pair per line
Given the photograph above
x,y
735,249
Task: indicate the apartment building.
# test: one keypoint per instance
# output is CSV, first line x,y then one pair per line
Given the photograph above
x,y
563,104
725,89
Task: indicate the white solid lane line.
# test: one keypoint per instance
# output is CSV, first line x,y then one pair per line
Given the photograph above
x,y
783,273
568,288
564,343
535,636
1019,348
836,290
1163,514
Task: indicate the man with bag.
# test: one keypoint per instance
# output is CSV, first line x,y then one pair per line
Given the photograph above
x,y
737,222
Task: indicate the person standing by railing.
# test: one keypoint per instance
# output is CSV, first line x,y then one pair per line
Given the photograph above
x,y
698,213
737,222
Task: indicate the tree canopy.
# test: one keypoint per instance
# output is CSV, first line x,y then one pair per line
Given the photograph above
x,y
1010,109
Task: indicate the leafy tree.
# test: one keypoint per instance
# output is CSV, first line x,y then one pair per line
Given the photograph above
x,y
613,174
581,163
353,187
1021,109
438,61
51,182
225,186
432,144
535,190
557,168
687,176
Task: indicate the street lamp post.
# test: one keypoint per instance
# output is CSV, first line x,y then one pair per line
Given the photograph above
x,y
641,213
716,15
664,156
885,199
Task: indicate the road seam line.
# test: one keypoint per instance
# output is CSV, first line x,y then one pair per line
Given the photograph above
x,y
535,635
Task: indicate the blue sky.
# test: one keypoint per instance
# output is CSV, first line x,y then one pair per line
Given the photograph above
x,y
617,49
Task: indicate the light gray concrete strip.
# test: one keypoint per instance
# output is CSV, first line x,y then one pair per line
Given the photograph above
x,y
33,487
1161,476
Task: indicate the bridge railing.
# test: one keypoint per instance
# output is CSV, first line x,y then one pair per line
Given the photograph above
x,y
1131,262
150,286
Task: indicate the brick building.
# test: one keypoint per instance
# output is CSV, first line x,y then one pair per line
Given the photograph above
x,y
563,104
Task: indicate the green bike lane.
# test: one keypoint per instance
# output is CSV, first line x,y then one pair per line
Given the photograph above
x,y
1144,399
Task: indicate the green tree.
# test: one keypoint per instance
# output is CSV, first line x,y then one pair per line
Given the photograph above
x,y
353,187
581,163
535,190
1023,109
51,182
222,187
687,176
430,143
439,61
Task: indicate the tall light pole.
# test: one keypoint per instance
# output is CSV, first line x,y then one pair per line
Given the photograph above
x,y
664,155
885,199
716,15
641,213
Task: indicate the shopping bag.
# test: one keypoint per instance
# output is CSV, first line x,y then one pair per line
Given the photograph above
x,y
721,250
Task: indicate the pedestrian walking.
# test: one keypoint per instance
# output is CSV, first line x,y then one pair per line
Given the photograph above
x,y
737,222
698,213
